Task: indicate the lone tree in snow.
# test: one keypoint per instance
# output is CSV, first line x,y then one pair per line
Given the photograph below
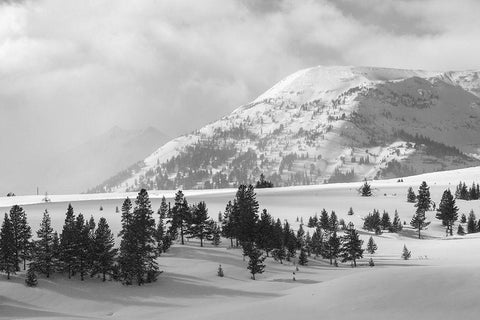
x,y
371,246
418,221
460,231
351,249
423,197
366,190
411,197
31,279
447,211
406,253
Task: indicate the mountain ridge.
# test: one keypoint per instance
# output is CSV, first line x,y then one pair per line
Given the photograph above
x,y
327,124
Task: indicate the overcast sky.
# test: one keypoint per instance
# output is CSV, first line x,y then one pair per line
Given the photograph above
x,y
70,70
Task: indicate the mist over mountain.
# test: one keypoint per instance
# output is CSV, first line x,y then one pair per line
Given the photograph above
x,y
76,169
326,124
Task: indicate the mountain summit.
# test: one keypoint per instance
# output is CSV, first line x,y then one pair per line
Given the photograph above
x,y
326,124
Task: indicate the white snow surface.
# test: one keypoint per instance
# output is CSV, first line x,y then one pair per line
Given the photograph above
x,y
440,281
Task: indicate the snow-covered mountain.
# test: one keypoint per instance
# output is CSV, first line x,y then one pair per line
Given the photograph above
x,y
326,124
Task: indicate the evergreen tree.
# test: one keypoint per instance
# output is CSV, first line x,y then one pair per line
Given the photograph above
x,y
423,197
411,197
245,213
366,190
56,250
105,253
471,223
144,227
324,221
406,253
419,221
180,214
385,222
163,210
22,235
265,238
68,243
463,218
371,246
332,248
31,279
460,230
302,258
8,251
279,254
82,246
351,248
447,211
350,212
300,237
255,263
216,235
397,223
228,223
200,226
43,256
333,222
317,242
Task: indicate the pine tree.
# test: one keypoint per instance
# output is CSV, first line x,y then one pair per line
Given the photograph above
x,y
245,213
43,257
31,278
419,221
397,223
144,228
68,243
371,246
302,258
105,253
447,211
333,222
460,230
385,222
332,248
411,197
216,235
180,214
82,246
324,221
423,197
163,210
199,226
8,251
463,218
228,223
255,263
366,190
471,223
265,240
279,254
22,235
317,241
351,249
406,253
300,237
350,212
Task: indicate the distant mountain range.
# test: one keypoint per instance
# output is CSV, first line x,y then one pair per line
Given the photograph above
x,y
326,124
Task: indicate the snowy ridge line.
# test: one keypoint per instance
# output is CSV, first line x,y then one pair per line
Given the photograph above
x,y
442,178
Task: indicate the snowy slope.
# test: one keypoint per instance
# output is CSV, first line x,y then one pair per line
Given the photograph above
x,y
439,282
320,125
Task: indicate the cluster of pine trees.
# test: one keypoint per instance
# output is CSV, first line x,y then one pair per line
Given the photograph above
x,y
467,193
373,222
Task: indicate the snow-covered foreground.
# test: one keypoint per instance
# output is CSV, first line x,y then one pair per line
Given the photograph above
x,y
439,282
